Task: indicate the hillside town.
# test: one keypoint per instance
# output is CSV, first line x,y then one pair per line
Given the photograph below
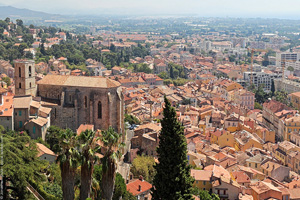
x,y
237,98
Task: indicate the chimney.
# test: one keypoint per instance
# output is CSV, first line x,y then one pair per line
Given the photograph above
x,y
141,178
140,188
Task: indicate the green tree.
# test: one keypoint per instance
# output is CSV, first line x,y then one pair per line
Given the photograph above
x,y
163,75
21,164
281,96
19,22
272,87
258,106
172,73
7,20
52,136
172,179
131,119
121,190
260,95
144,166
87,144
6,80
111,141
68,159
204,194
290,68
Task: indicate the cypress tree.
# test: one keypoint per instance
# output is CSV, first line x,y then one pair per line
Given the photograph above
x,y
172,180
171,72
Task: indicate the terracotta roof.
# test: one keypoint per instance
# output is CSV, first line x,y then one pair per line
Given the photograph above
x,y
44,150
6,109
78,81
201,175
35,104
262,187
84,127
39,121
22,102
45,110
133,186
241,177
151,126
294,193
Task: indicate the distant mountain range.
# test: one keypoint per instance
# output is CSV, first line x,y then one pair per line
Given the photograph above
x,y
25,14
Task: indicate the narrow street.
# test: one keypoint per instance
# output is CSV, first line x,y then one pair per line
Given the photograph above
x,y
124,166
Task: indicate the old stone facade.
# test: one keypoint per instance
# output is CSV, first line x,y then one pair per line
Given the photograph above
x,y
77,100
24,77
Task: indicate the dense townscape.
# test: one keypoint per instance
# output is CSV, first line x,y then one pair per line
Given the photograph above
x,y
202,110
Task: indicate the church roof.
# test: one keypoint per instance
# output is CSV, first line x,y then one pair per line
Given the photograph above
x,y
78,81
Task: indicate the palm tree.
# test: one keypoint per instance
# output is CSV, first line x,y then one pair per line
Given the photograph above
x,y
111,140
88,146
68,159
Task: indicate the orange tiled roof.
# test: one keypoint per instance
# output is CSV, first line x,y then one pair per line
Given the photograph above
x,y
133,187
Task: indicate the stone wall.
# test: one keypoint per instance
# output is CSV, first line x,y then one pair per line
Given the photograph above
x,y
74,106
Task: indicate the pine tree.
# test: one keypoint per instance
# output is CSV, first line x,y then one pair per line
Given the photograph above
x,y
172,179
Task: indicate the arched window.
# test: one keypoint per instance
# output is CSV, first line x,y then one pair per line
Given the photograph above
x,y
99,110
19,71
20,86
85,101
29,71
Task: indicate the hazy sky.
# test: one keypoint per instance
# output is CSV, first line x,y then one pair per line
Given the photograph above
x,y
205,8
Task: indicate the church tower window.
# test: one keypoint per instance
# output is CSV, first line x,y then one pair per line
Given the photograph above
x,y
99,110
85,101
29,69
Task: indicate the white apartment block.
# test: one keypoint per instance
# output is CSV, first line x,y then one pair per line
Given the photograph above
x,y
261,78
286,57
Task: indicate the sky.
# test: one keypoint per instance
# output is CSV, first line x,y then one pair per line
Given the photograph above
x,y
204,8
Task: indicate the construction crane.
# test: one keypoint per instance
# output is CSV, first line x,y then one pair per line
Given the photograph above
x,y
252,54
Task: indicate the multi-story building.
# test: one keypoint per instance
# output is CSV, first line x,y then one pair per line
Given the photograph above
x,y
290,125
261,78
244,98
286,85
271,114
6,110
283,58
284,148
294,98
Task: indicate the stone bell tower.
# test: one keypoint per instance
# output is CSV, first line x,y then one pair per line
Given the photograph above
x,y
24,78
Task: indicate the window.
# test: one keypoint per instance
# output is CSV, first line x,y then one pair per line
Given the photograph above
x,y
34,130
30,85
20,124
255,165
204,183
19,71
20,113
99,110
85,101
70,98
20,86
29,71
